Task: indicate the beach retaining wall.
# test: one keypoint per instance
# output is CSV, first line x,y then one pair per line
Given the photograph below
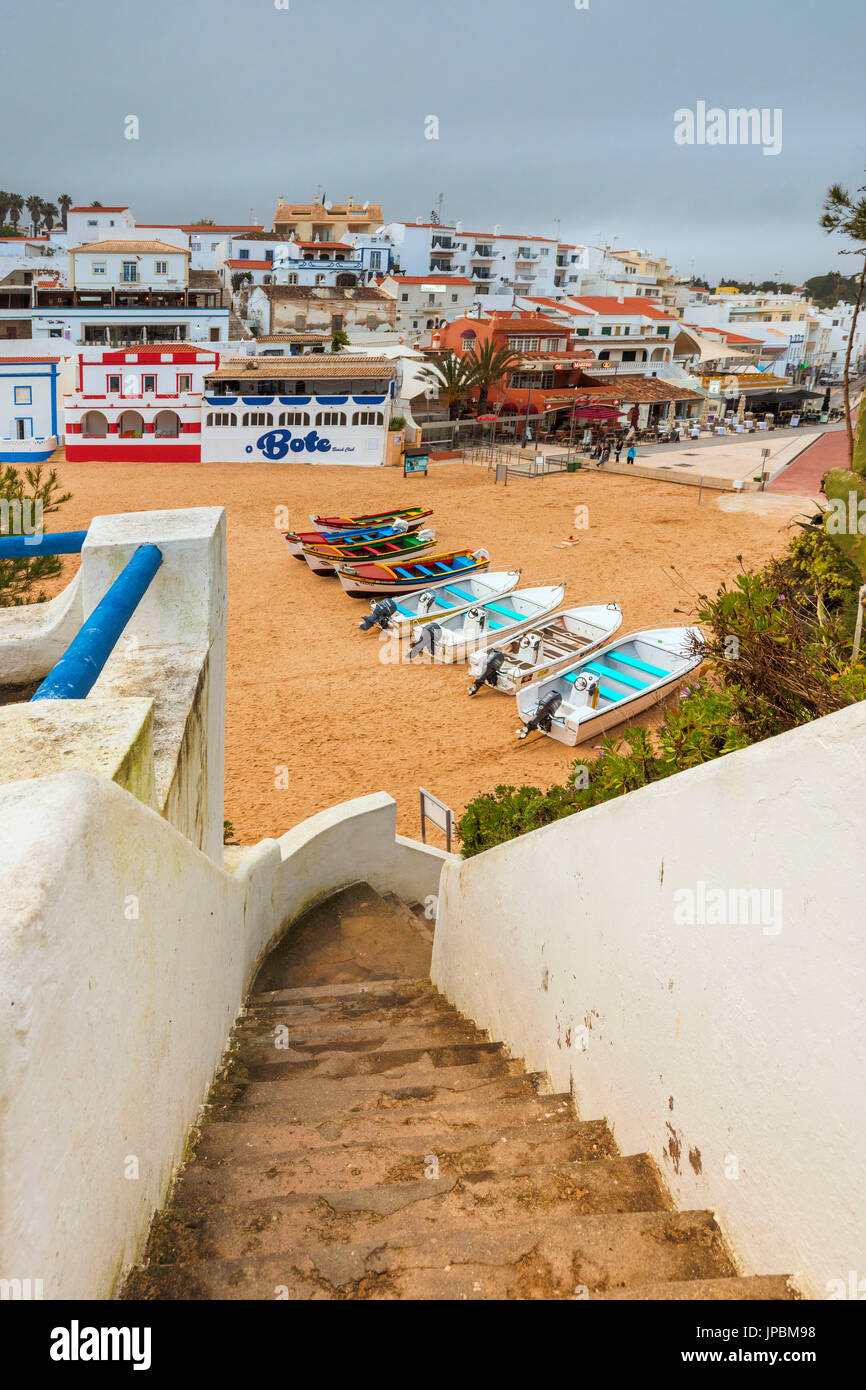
x,y
621,951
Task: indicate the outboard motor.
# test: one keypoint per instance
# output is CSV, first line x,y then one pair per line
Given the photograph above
x,y
529,649
426,601
426,640
489,674
543,716
382,613
586,684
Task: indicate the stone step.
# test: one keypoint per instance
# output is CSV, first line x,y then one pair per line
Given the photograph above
x,y
324,1096
773,1287
244,1176
400,1001
278,1041
399,1211
369,1125
292,1063
541,1258
453,1091
228,1137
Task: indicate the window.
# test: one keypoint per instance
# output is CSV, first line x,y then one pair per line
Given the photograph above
x,y
331,417
160,267
523,344
97,267
269,255
184,383
664,332
375,260
606,330
114,385
257,417
291,279
581,332
130,272
266,279
294,417
244,253
148,384
368,417
320,279
454,299
92,222
405,298
221,418
23,395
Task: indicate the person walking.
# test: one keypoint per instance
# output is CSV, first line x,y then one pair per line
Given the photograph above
x,y
618,449
631,455
605,455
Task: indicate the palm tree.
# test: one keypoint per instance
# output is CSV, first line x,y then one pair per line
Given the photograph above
x,y
64,202
16,207
4,206
34,207
95,204
450,380
49,215
487,366
845,215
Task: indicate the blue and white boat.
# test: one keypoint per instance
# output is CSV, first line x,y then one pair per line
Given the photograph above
x,y
508,661
611,685
452,639
440,599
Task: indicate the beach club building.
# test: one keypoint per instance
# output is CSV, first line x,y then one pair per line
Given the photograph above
x,y
142,405
332,408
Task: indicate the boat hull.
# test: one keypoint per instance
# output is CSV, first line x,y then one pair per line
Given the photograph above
x,y
296,540
402,623
356,523
451,649
511,680
363,581
323,559
572,725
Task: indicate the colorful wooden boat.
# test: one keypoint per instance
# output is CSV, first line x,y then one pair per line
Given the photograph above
x,y
454,638
322,558
400,617
611,685
296,540
544,648
354,523
359,580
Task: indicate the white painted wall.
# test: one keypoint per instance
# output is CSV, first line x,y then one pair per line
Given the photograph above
x,y
125,955
722,1040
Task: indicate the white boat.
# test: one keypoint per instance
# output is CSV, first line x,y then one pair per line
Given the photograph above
x,y
454,638
398,616
544,649
611,685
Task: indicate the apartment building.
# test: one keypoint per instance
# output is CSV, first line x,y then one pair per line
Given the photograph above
x,y
321,220
497,263
425,302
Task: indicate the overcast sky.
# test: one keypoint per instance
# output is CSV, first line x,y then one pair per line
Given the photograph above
x,y
545,112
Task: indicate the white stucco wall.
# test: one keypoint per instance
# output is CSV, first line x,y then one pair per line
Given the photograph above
x,y
733,1053
125,955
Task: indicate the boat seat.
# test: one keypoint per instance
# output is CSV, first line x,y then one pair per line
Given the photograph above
x,y
637,664
619,676
431,574
507,612
404,574
461,563
461,593
571,677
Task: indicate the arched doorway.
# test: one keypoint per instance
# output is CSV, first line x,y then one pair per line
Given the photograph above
x,y
130,425
94,425
167,425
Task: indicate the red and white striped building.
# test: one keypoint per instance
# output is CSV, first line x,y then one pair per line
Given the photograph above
x,y
140,404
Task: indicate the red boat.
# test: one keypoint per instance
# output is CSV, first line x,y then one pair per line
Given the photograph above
x,y
354,523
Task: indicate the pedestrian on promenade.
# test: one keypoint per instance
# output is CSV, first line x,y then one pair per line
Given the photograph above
x,y
631,455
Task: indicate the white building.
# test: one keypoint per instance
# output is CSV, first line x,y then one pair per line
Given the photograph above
x,y
495,262
31,403
425,302
333,409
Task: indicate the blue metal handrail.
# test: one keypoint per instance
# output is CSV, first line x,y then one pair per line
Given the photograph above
x,y
49,543
78,669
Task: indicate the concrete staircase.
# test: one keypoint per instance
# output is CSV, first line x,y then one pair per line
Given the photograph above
x,y
365,1141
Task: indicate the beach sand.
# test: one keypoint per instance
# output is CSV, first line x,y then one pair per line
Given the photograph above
x,y
308,692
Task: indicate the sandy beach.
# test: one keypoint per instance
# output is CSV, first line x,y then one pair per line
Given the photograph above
x,y
308,693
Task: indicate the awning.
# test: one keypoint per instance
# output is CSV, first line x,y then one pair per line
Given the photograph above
x,y
706,349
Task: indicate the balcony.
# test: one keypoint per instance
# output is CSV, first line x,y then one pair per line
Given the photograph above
x,y
443,244
525,257
479,273
483,253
